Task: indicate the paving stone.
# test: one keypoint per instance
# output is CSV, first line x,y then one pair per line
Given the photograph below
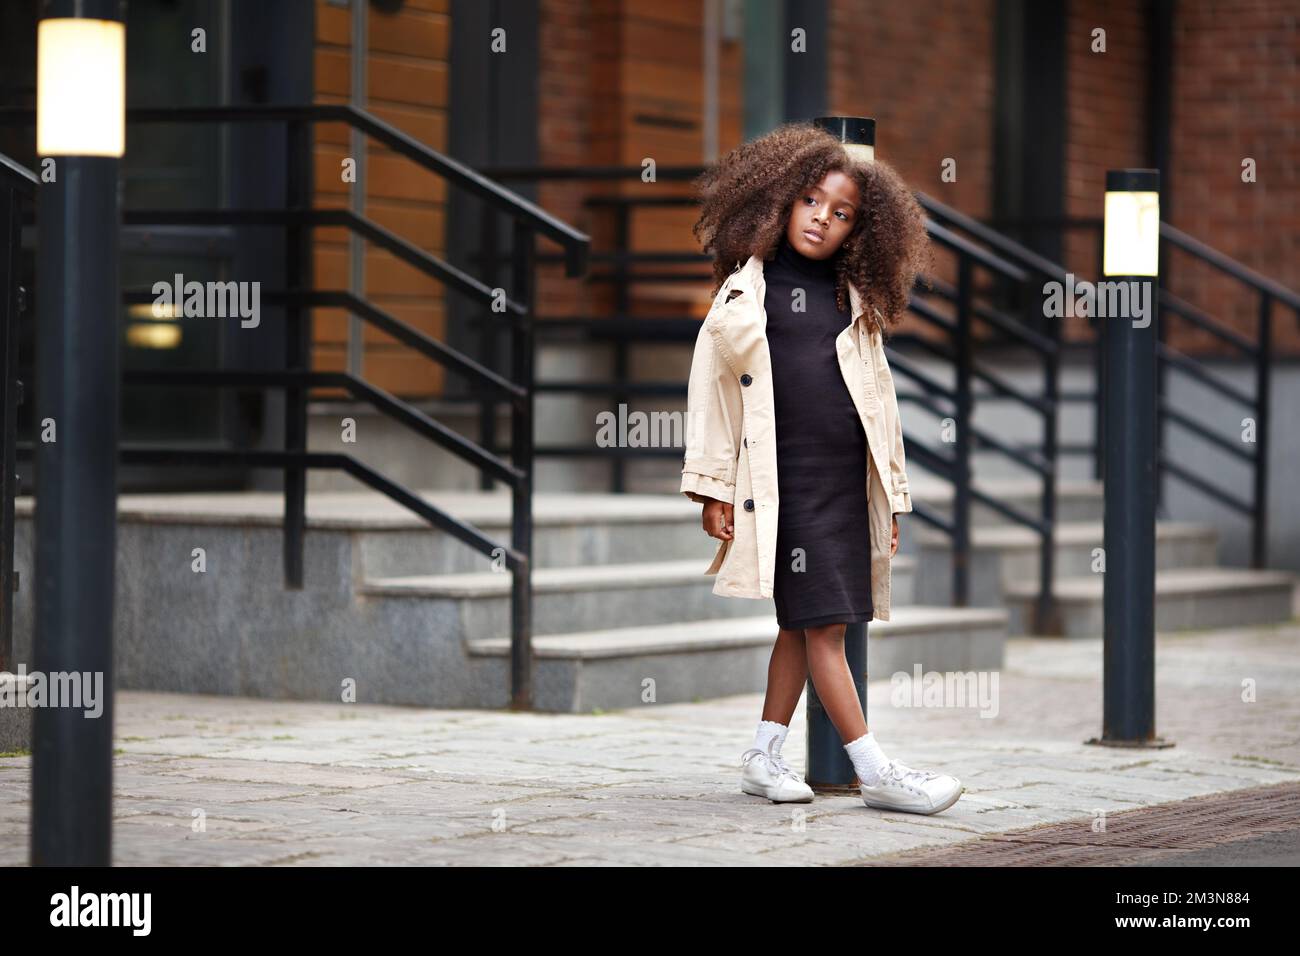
x,y
309,784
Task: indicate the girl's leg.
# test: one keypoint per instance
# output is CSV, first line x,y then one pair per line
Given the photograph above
x,y
885,784
787,672
766,772
834,681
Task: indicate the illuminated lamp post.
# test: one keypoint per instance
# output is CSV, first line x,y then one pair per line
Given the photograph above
x,y
1130,264
80,125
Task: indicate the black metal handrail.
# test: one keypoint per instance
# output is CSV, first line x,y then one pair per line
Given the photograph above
x,y
1260,351
1044,268
297,219
1257,350
17,183
960,333
1226,264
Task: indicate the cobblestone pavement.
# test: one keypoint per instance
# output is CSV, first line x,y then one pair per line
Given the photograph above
x,y
236,781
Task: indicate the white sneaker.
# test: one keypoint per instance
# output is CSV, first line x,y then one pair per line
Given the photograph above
x,y
914,791
768,775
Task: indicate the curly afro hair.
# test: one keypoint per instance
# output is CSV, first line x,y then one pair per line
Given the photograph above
x,y
747,197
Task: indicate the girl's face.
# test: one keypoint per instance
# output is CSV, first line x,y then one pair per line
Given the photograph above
x,y
822,218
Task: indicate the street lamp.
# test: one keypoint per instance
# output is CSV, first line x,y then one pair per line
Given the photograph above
x,y
80,114
829,769
1130,264
857,134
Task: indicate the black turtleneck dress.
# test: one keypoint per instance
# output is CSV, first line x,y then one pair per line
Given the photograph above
x,y
823,542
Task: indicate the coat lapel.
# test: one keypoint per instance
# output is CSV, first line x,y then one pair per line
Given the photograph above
x,y
740,329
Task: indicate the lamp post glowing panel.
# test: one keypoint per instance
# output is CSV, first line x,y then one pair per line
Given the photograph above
x,y
80,118
1132,223
857,134
1131,255
80,87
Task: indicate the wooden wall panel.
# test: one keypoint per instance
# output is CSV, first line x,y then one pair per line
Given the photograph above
x,y
407,85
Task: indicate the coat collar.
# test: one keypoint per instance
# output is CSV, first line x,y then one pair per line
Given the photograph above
x,y
740,327
750,276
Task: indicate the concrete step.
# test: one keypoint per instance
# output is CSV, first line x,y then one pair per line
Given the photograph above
x,y
1186,599
15,721
1007,554
572,530
583,598
1077,499
388,541
623,667
232,627
477,604
568,531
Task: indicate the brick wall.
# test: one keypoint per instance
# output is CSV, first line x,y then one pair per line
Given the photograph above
x,y
407,84
567,44
1237,94
622,82
1105,127
1235,85
925,71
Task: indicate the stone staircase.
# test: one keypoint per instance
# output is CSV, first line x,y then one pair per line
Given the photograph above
x,y
1192,590
623,614
622,611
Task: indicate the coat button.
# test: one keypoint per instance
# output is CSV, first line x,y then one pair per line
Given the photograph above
x,y
749,504
745,441
745,379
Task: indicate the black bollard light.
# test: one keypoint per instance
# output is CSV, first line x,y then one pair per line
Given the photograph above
x,y
80,137
1130,265
829,768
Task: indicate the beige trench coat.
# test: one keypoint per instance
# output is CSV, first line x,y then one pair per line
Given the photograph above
x,y
731,435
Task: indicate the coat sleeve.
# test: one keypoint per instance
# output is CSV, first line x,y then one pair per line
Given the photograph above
x,y
901,501
713,420
898,464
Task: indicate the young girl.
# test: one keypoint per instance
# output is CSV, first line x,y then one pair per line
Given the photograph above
x,y
807,240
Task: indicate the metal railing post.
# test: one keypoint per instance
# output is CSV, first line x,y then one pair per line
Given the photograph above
x,y
360,65
965,421
1161,385
12,299
487,339
1263,386
1099,376
523,255
1045,609
297,346
622,303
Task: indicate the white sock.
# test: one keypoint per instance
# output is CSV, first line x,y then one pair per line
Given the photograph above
x,y
868,759
767,730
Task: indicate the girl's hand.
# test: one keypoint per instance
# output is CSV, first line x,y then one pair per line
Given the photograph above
x,y
893,537
717,520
